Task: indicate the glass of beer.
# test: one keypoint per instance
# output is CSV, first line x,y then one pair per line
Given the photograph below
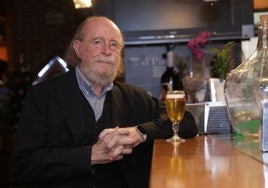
x,y
175,106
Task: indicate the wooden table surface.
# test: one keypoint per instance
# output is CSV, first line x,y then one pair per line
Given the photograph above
x,y
205,161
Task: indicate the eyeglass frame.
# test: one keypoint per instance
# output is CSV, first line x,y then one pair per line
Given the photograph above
x,y
99,43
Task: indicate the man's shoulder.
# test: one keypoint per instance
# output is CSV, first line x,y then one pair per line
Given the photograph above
x,y
55,81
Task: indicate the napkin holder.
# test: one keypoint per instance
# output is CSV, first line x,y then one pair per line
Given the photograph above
x,y
216,120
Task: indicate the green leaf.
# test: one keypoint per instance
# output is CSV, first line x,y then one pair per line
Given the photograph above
x,y
222,61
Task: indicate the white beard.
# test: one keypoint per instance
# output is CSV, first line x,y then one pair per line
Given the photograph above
x,y
101,78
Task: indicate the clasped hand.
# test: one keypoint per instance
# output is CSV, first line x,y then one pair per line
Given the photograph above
x,y
114,143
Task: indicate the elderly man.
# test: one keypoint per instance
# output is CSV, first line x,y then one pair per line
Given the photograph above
x,y
83,128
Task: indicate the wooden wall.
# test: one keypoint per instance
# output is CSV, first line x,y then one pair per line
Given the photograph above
x,y
40,30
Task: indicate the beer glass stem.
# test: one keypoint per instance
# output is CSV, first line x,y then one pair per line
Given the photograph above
x,y
175,137
175,128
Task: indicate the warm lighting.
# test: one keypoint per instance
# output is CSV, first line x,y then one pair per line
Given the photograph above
x,y
82,4
260,4
210,1
3,53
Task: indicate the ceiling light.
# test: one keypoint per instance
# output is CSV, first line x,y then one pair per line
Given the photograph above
x,y
82,4
210,1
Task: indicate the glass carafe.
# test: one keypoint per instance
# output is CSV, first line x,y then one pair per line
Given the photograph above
x,y
245,86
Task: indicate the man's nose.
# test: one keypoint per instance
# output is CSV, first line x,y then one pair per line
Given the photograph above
x,y
106,47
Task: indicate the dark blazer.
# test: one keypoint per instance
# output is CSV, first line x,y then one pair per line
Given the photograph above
x,y
53,143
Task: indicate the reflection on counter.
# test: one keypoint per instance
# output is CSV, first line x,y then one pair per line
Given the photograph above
x,y
247,145
208,161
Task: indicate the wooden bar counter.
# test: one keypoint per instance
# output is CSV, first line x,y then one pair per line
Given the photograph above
x,y
209,162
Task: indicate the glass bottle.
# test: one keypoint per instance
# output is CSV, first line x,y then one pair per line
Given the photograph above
x,y
245,86
169,79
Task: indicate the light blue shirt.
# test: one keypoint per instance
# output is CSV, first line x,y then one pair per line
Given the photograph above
x,y
95,101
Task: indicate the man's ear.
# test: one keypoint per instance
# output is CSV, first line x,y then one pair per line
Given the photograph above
x,y
76,47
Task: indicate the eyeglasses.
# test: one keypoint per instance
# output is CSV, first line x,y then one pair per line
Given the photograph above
x,y
99,44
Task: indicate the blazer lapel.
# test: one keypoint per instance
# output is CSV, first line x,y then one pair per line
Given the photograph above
x,y
74,105
120,107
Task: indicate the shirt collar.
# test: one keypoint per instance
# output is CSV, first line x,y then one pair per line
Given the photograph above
x,y
86,87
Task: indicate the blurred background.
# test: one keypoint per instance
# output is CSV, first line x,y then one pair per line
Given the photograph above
x,y
34,32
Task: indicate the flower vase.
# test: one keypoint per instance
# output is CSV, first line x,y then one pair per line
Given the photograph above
x,y
195,79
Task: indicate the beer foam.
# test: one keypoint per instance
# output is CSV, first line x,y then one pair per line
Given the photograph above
x,y
175,96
